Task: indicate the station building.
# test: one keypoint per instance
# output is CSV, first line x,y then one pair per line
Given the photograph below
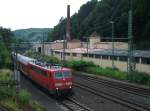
x,y
98,51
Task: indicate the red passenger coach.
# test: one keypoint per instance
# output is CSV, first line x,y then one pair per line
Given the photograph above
x,y
55,78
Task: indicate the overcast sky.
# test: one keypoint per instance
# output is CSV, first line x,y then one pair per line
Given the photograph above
x,y
21,14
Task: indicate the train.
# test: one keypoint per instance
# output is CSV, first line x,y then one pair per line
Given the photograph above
x,y
55,78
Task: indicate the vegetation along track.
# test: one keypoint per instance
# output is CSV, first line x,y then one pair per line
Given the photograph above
x,y
73,105
140,91
114,98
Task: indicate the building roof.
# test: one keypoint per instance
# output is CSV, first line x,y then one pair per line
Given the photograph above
x,y
108,52
117,52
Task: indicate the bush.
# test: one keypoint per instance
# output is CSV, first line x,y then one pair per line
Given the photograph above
x,y
109,72
5,92
45,58
37,106
90,67
51,59
140,78
79,65
24,96
5,74
33,54
10,104
5,57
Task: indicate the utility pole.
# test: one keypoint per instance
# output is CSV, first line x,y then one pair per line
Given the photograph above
x,y
16,68
112,22
64,49
43,49
131,65
87,47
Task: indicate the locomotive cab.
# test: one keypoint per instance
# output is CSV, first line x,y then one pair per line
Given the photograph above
x,y
62,80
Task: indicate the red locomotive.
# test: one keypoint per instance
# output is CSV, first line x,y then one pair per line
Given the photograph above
x,y
55,78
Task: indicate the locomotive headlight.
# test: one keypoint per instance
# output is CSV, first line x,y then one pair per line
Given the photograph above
x,y
58,84
68,83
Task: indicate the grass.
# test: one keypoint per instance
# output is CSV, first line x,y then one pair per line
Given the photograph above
x,y
37,106
10,104
25,96
23,100
108,72
5,74
10,100
5,92
140,78
89,67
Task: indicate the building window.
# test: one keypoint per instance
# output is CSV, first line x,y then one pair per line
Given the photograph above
x,y
145,60
57,52
39,49
137,60
97,56
84,55
74,54
123,58
113,57
91,55
68,54
104,57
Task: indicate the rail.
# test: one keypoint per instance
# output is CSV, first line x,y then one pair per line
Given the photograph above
x,y
126,88
74,105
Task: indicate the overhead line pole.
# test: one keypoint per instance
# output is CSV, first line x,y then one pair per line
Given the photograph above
x,y
64,49
87,47
16,67
131,65
43,48
112,22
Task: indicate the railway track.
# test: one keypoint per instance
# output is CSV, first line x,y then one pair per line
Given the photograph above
x,y
120,86
114,98
128,89
73,105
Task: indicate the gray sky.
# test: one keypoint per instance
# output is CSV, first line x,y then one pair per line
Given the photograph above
x,y
21,14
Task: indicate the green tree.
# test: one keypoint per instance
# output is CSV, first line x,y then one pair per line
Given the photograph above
x,y
6,36
5,45
96,16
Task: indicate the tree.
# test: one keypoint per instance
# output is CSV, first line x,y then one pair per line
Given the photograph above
x,y
6,36
5,43
96,16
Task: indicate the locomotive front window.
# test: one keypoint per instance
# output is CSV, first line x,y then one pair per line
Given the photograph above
x,y
64,74
58,75
67,74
